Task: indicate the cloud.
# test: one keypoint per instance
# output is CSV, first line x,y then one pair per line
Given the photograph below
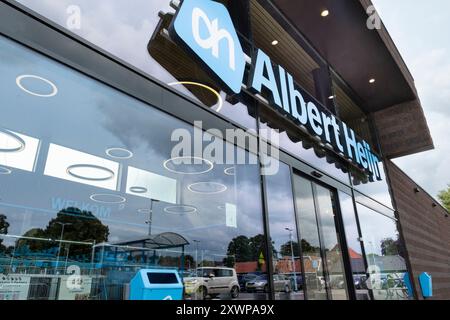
x,y
417,33
124,30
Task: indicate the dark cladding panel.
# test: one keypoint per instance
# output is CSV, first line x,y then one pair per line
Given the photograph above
x,y
403,130
425,229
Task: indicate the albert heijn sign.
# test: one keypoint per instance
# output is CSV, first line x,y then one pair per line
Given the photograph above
x,y
206,30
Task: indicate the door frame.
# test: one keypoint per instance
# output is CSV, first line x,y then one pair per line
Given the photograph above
x,y
340,233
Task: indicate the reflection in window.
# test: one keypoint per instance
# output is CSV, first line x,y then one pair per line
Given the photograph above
x,y
104,201
146,46
354,246
288,279
384,254
377,190
321,248
310,242
331,243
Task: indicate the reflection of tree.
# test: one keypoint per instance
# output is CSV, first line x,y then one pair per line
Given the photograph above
x,y
80,226
244,249
285,249
391,247
4,225
308,248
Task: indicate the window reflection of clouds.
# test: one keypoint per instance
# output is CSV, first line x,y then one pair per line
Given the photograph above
x,y
375,228
350,225
125,33
91,118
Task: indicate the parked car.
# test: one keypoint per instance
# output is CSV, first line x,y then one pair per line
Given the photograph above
x,y
212,281
244,278
360,282
297,278
260,284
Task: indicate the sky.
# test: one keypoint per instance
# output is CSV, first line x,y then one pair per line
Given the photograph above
x,y
418,27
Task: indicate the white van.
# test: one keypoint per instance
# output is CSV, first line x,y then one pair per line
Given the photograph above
x,y
212,281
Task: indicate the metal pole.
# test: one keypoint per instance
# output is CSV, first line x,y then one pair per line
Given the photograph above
x,y
293,259
150,218
59,249
67,256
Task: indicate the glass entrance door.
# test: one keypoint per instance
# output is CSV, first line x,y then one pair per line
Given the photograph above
x,y
320,241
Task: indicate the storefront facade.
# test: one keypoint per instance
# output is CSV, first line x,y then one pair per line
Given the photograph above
x,y
92,192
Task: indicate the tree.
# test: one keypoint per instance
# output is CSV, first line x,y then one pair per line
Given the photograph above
x,y
81,226
285,249
444,197
391,247
244,249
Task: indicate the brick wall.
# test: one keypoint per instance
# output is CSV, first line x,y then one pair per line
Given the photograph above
x,y
426,231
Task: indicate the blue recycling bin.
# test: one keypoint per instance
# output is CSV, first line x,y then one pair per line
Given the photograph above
x,y
156,284
426,284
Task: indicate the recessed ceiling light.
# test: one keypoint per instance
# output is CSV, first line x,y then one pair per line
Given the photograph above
x,y
119,153
230,171
137,189
107,198
90,172
53,92
274,42
204,86
372,80
325,13
181,209
330,97
4,170
178,161
207,187
11,141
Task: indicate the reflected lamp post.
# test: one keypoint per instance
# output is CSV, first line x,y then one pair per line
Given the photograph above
x,y
60,242
196,253
293,258
150,218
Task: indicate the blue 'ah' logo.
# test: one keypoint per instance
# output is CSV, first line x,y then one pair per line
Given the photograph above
x,y
205,26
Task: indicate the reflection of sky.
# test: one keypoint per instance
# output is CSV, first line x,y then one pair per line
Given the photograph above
x,y
281,207
90,118
375,228
306,211
350,225
125,31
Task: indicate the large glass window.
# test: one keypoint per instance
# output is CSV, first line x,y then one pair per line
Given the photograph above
x,y
384,254
321,248
310,241
377,190
354,246
288,279
330,241
91,193
138,35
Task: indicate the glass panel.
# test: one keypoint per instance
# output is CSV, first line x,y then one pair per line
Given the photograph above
x,y
91,194
385,255
377,190
310,242
288,280
283,141
331,244
354,246
137,37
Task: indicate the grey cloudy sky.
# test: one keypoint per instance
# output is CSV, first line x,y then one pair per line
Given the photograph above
x,y
418,27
